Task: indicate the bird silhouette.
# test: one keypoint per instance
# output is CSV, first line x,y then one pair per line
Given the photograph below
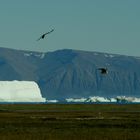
x,y
103,70
43,36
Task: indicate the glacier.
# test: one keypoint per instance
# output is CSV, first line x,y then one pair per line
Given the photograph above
x,y
20,91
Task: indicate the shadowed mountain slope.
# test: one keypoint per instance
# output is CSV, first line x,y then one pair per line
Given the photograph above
x,y
72,73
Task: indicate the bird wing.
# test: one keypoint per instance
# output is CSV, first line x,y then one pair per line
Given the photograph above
x,y
45,34
49,32
39,38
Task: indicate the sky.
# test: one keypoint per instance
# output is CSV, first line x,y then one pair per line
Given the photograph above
x,y
111,26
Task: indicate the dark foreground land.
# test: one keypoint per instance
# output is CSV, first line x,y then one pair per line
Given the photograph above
x,y
70,122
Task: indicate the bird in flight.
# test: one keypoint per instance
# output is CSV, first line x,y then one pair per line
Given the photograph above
x,y
103,70
43,36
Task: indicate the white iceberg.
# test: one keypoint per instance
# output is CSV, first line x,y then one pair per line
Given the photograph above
x,y
90,99
20,91
51,101
97,99
76,100
127,99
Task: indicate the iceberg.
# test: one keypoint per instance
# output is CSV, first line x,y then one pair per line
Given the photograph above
x,y
52,101
76,100
124,99
95,99
20,91
90,99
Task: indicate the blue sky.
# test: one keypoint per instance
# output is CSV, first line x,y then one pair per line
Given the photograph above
x,y
111,26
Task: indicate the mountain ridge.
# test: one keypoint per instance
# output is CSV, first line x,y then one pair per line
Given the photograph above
x,y
71,73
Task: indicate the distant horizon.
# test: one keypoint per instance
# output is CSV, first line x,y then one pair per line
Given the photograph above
x,y
17,49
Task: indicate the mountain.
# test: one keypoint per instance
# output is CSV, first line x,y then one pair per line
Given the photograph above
x,y
72,73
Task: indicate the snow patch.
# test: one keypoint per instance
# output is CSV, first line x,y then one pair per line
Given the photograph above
x,y
107,64
109,55
20,91
39,55
96,54
42,55
27,54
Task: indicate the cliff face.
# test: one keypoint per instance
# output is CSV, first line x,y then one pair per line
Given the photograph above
x,y
73,74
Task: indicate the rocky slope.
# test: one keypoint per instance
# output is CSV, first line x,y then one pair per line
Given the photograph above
x,y
73,74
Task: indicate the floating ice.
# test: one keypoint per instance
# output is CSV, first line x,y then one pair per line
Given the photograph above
x,y
20,91
76,100
97,99
51,101
90,99
127,99
118,99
